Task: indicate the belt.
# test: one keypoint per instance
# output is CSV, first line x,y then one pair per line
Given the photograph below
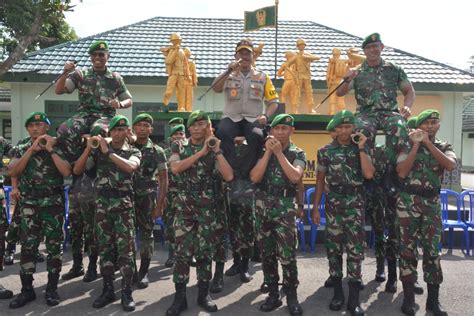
x,y
114,193
144,185
196,187
416,190
44,193
347,189
279,191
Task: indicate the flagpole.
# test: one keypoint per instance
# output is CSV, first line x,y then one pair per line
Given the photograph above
x,y
276,37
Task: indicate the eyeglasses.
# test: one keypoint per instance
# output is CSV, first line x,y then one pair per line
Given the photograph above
x,y
98,54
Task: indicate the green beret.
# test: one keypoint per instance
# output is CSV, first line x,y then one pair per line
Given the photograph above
x,y
143,117
330,126
176,120
411,123
177,128
37,117
98,45
426,114
283,119
118,121
343,117
197,116
372,38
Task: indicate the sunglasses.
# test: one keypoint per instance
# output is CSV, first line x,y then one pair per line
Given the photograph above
x,y
98,54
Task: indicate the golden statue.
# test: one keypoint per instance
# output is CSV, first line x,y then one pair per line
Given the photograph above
x,y
257,51
191,81
177,69
355,59
303,62
337,68
290,92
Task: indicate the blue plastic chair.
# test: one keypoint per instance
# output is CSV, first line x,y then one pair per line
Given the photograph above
x,y
449,224
468,209
314,227
67,235
159,222
7,189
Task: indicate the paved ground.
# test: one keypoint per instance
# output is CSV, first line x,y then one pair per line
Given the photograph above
x,y
244,299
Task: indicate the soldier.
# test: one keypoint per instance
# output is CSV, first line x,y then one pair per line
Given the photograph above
x,y
277,173
149,200
101,93
115,163
40,167
166,143
343,166
419,210
195,162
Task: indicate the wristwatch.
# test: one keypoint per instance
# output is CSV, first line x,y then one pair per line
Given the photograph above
x,y
109,152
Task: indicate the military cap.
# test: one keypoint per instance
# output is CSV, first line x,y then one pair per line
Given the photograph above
x,y
177,128
411,123
343,117
372,38
118,121
244,44
143,117
283,119
426,114
198,115
176,120
330,126
37,117
98,45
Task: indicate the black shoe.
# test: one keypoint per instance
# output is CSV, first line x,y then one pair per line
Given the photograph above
x,y
353,303
5,294
51,295
128,305
338,298
294,306
380,273
170,261
217,284
329,283
417,288
235,268
90,276
432,302
273,300
408,305
204,300
391,285
264,288
27,293
180,302
73,273
245,276
108,293
52,298
143,281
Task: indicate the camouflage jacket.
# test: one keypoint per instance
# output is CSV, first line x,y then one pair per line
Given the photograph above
x,y
153,160
376,87
5,150
173,179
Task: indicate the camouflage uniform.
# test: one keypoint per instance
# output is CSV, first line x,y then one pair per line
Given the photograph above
x,y
96,91
5,148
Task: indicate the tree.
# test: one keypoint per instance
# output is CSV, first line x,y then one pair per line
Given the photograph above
x,y
27,25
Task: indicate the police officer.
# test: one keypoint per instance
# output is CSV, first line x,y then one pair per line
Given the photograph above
x,y
115,228
40,167
419,210
343,166
277,174
194,223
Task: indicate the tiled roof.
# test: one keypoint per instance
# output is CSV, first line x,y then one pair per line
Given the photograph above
x,y
468,116
135,49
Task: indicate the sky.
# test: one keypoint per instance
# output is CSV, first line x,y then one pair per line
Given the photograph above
x,y
434,29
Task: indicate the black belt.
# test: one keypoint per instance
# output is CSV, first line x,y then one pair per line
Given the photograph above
x,y
279,191
424,192
196,187
145,185
347,189
114,193
44,193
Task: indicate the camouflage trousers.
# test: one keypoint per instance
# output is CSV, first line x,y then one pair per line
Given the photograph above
x,y
70,132
144,205
3,229
13,235
194,226
241,229
36,222
115,231
394,127
345,229
276,237
169,215
81,224
220,232
420,223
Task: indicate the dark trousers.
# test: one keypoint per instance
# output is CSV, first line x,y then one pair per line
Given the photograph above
x,y
227,130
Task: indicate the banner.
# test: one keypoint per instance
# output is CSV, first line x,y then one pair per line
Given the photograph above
x,y
264,17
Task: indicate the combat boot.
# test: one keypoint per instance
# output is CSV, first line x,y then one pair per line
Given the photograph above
x,y
180,302
235,268
353,304
171,259
91,274
417,288
294,306
27,293
244,270
204,300
272,301
338,298
5,294
329,282
432,302
51,294
391,285
143,281
128,305
77,269
108,293
408,305
218,280
264,288
9,252
380,272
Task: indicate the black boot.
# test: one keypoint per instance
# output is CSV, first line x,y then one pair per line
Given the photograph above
x,y
380,272
328,283
218,280
244,270
294,306
77,269
108,293
143,281
338,298
235,268
5,294
264,288
51,294
408,305
353,304
272,301
128,305
91,274
171,259
432,302
180,302
204,300
417,288
9,252
27,292
391,285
